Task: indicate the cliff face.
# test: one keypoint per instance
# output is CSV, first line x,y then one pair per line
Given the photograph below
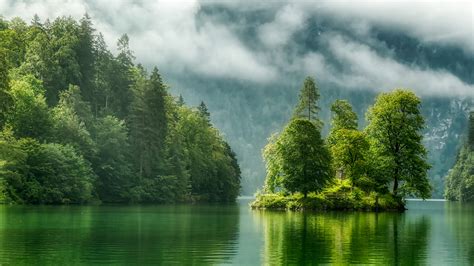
x,y
460,180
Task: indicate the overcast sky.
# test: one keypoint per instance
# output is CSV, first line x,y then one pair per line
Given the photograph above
x,y
177,37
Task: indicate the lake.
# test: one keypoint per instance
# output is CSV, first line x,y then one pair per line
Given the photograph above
x,y
430,232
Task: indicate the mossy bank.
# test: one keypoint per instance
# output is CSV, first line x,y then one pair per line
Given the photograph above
x,y
340,197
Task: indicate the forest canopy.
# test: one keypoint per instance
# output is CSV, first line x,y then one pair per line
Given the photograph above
x,y
80,124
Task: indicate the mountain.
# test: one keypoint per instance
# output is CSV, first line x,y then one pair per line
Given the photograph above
x,y
249,112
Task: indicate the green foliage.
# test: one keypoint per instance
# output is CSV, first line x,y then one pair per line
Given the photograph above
x,y
343,117
29,115
349,153
307,106
148,124
68,122
44,173
471,130
113,169
394,129
80,124
303,159
390,150
460,180
338,196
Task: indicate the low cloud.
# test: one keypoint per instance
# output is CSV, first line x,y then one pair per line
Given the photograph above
x,y
170,35
368,69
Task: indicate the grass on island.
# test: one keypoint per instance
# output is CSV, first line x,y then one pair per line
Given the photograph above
x,y
339,196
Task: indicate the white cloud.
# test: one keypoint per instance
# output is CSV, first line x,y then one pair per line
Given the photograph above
x,y
367,69
287,20
167,34
443,21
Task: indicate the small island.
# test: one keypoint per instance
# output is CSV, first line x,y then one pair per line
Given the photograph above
x,y
373,169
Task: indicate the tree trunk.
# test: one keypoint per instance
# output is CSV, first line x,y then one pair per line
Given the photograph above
x,y
395,186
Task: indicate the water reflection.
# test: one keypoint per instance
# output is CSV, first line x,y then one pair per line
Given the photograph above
x,y
342,238
431,233
460,217
113,234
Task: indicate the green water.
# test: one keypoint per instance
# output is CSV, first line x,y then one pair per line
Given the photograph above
x,y
431,233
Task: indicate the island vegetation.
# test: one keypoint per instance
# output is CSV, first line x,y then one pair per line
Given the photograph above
x,y
460,180
80,124
352,169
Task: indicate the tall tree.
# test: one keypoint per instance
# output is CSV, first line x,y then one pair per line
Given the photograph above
x,y
5,97
343,117
395,125
348,145
103,76
112,166
148,123
303,159
122,81
86,58
471,130
308,102
202,108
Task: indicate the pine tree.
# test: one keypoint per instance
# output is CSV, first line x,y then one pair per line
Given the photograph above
x,y
471,130
202,108
148,124
307,107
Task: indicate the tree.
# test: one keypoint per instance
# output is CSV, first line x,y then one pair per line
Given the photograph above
x,y
202,108
148,124
71,119
460,179
122,79
471,130
394,129
5,97
180,100
86,58
307,106
103,76
348,145
113,169
343,117
50,173
349,153
29,115
304,161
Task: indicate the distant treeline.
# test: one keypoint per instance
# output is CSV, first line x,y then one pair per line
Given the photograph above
x,y
79,124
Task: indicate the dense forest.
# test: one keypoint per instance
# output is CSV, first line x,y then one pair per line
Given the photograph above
x,y
460,180
374,168
80,124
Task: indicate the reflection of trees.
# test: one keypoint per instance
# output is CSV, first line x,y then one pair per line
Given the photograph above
x,y
39,235
117,234
164,234
344,238
460,217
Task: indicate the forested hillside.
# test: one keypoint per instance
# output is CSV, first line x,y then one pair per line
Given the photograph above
x,y
460,180
80,124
